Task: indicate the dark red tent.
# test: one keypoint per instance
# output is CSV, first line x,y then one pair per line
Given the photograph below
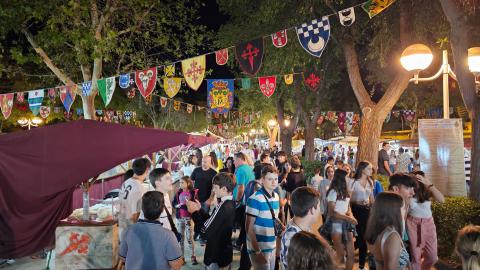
x,y
39,169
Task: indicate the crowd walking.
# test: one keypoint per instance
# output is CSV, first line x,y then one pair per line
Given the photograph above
x,y
283,220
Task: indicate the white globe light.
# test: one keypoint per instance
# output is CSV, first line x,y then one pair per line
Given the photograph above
x,y
474,60
272,123
416,57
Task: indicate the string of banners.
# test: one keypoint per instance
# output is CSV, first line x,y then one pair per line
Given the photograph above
x,y
313,36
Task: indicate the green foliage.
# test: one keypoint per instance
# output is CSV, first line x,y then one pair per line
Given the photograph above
x,y
309,167
450,217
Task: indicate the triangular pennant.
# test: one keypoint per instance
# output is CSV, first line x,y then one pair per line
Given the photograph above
x,y
125,81
172,86
246,83
220,95
349,121
45,111
194,70
250,55
279,39
221,56
176,105
267,85
79,111
314,36
163,102
374,7
20,97
312,80
146,81
86,88
106,87
67,96
169,70
288,78
6,104
331,116
189,108
52,94
35,99
347,16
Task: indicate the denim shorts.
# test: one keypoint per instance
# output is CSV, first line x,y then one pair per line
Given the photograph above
x,y
337,227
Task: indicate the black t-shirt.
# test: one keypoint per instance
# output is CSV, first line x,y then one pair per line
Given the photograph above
x,y
382,156
294,180
281,170
203,182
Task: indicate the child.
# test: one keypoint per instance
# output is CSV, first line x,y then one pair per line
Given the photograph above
x,y
217,228
185,193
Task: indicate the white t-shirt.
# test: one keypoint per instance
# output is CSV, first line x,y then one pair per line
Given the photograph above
x,y
315,182
130,197
187,170
360,193
163,216
420,210
341,206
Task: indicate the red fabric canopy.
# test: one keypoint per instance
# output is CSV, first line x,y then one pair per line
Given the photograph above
x,y
40,168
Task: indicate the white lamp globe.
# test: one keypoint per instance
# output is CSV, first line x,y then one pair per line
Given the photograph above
x,y
416,57
474,60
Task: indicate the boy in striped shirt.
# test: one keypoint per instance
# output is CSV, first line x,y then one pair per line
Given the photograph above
x,y
261,239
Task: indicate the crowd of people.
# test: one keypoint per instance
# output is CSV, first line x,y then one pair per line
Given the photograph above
x,y
283,220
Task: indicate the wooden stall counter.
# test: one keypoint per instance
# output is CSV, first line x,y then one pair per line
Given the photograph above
x,y
86,245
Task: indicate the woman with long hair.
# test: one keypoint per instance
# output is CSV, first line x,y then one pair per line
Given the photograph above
x,y
420,225
384,232
360,201
229,166
323,188
308,251
341,218
467,247
188,168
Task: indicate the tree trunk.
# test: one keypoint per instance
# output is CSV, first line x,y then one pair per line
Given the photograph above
x,y
286,138
88,104
310,132
475,157
368,141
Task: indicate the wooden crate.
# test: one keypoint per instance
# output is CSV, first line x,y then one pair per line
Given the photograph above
x,y
86,246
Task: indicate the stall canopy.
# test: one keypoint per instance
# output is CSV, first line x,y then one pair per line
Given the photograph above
x,y
40,168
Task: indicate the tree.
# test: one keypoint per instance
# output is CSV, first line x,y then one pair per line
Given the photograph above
x,y
463,18
82,40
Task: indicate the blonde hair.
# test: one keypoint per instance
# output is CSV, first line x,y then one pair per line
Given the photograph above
x,y
467,246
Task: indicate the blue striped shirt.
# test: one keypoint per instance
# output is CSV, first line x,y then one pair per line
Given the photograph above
x,y
258,207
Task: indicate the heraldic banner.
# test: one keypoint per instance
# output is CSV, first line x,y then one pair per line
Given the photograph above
x,y
220,95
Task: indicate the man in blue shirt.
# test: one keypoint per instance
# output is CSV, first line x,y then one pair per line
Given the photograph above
x,y
146,244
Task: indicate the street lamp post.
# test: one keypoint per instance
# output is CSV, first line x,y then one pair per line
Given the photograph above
x,y
418,57
29,123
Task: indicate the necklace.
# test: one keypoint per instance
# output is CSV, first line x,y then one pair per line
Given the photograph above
x,y
293,221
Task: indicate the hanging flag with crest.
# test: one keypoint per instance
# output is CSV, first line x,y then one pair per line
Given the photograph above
x,y
221,56
279,39
341,121
220,95
106,87
6,104
35,99
125,81
349,122
347,16
176,105
20,97
172,86
52,94
194,70
146,81
45,111
409,115
189,108
246,83
86,88
163,102
374,7
312,80
250,55
169,70
67,96
288,79
267,85
314,36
